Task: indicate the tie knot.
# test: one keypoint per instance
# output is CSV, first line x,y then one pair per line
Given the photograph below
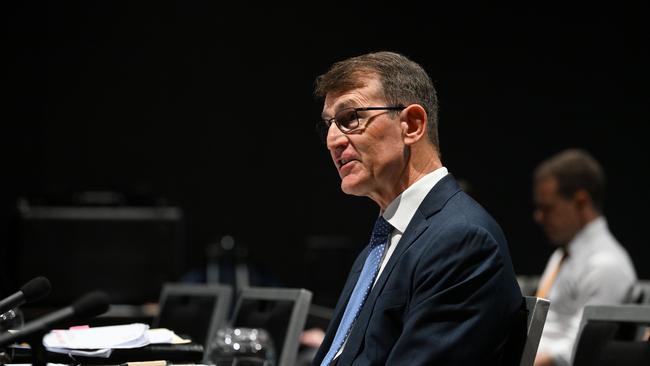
x,y
380,231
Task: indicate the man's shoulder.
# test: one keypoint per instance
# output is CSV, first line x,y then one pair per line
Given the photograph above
x,y
605,258
463,218
463,210
604,250
613,257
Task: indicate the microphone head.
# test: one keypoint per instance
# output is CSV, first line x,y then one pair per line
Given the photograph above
x,y
90,305
36,289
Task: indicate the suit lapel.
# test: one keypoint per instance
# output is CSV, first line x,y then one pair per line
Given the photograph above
x,y
432,203
355,271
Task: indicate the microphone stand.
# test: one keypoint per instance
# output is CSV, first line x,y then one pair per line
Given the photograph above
x,y
39,353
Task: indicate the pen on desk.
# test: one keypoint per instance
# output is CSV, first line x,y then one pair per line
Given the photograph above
x,y
146,363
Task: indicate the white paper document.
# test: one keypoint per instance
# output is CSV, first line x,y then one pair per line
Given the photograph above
x,y
114,336
100,341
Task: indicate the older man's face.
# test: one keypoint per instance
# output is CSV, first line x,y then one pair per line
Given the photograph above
x,y
371,160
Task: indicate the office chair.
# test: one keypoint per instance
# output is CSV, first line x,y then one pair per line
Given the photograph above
x,y
526,332
537,311
193,310
282,312
610,335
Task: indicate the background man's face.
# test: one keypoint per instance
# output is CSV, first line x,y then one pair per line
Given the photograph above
x,y
558,216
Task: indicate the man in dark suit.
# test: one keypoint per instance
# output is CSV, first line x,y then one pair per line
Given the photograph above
x,y
435,286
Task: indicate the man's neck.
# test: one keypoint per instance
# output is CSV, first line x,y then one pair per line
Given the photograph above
x,y
588,218
421,160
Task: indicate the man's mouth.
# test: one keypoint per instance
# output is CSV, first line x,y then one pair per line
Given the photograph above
x,y
342,162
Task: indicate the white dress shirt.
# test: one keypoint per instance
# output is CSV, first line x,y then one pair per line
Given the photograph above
x,y
597,270
401,210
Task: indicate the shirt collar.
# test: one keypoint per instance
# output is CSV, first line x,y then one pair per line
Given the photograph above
x,y
401,210
584,236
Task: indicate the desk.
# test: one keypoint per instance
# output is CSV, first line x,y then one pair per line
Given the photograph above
x,y
190,353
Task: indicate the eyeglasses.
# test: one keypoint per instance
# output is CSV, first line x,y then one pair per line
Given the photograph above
x,y
348,120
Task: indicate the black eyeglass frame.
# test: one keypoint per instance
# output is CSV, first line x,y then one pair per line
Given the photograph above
x,y
327,123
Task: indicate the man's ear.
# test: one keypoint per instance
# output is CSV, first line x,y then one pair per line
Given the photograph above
x,y
582,198
413,123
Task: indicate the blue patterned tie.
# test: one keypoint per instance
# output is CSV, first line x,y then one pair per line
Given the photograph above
x,y
378,242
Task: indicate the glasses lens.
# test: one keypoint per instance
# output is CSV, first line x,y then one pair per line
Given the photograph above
x,y
347,119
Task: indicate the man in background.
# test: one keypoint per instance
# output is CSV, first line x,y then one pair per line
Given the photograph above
x,y
589,265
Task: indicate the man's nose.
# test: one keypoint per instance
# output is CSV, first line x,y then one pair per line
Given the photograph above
x,y
335,137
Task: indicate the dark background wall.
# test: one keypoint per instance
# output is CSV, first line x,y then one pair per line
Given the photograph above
x,y
210,108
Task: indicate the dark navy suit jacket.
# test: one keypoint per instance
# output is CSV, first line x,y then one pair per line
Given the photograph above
x,y
447,296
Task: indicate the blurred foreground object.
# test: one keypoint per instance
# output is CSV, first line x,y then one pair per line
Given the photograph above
x,y
242,346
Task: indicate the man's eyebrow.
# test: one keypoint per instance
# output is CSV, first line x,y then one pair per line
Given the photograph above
x,y
347,103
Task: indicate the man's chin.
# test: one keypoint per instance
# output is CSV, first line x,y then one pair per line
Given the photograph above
x,y
557,242
351,186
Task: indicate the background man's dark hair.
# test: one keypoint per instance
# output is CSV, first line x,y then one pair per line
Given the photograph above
x,y
575,169
404,82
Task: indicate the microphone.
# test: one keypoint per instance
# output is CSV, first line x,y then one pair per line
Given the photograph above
x,y
88,306
34,290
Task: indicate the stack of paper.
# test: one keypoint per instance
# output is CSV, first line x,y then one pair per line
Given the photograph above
x,y
99,341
